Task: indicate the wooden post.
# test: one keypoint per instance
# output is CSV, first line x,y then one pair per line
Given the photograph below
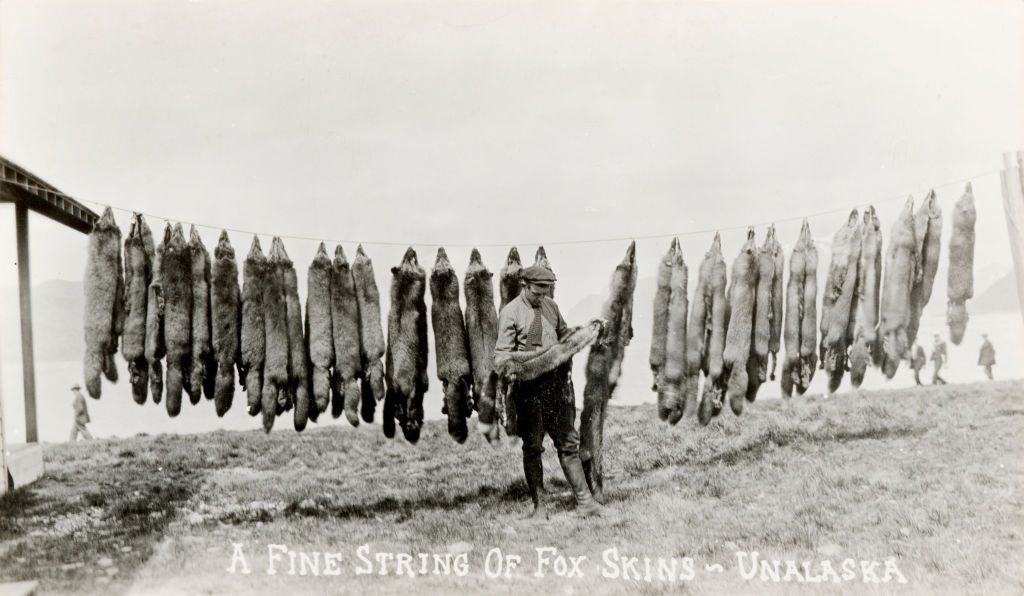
x,y
28,369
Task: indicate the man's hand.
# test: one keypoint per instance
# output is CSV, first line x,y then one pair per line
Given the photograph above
x,y
599,321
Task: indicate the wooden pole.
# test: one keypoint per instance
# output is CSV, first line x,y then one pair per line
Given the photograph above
x,y
1013,202
28,368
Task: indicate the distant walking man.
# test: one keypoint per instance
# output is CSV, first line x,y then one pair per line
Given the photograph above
x,y
81,414
917,361
987,356
938,360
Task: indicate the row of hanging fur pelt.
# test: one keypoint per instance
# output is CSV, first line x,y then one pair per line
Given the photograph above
x,y
104,302
371,335
225,317
741,299
867,348
928,236
450,346
838,305
672,400
801,325
706,335
960,282
604,363
895,310
139,253
406,357
482,335
767,315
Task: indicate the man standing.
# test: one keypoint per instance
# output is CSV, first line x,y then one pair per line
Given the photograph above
x,y
81,414
987,355
530,322
917,361
938,360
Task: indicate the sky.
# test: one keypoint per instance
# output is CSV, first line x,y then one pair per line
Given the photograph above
x,y
500,123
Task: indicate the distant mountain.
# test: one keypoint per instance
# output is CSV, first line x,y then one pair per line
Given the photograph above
x,y
643,301
56,321
1001,296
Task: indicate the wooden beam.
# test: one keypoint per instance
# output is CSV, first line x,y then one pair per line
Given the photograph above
x,y
28,367
1013,202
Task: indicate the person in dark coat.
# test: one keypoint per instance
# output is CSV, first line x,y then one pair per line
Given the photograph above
x,y
81,414
987,355
532,321
938,359
917,361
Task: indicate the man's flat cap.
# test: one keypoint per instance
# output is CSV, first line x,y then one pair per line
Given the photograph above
x,y
537,274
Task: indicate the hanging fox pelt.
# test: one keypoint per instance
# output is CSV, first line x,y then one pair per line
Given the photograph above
x,y
138,266
226,317
320,335
714,321
671,397
741,296
275,320
253,336
765,342
346,395
602,361
204,364
895,311
407,349
104,302
928,235
155,348
839,302
176,274
960,286
867,349
526,366
450,345
298,373
509,277
659,331
482,334
371,335
801,325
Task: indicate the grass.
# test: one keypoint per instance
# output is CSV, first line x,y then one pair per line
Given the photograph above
x,y
931,476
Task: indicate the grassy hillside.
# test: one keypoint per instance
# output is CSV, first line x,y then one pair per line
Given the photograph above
x,y
933,478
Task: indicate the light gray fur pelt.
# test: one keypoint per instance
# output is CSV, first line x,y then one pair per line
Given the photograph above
x,y
371,334
226,319
275,320
960,282
298,371
204,364
138,267
482,331
176,273
253,336
104,302
320,332
741,295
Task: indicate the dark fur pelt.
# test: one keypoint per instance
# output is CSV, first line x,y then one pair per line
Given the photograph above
x,y
104,297
204,364
253,336
602,376
741,295
928,235
155,348
347,360
840,298
960,283
895,311
276,397
659,332
371,335
226,319
526,366
407,349
320,329
866,348
482,333
450,345
298,372
509,277
671,394
541,258
138,267
715,325
176,274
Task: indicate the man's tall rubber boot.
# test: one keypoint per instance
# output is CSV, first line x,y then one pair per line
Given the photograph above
x,y
586,506
533,469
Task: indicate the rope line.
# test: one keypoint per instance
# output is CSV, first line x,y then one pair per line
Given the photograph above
x,y
505,244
